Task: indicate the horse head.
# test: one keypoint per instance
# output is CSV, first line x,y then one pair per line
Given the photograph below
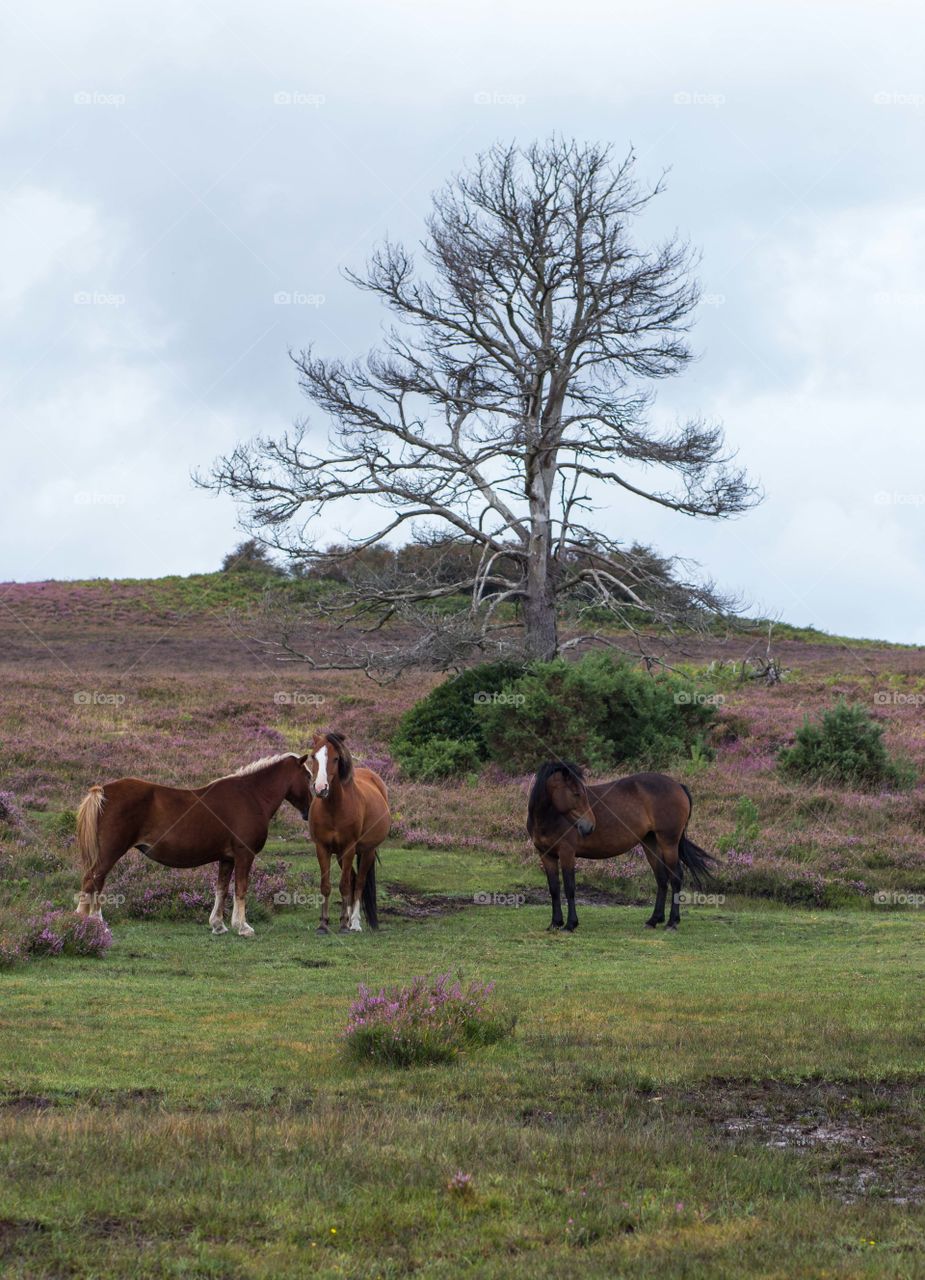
x,y
563,788
299,794
330,759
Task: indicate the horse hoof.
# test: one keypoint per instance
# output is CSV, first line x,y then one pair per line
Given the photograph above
x,y
671,928
322,928
246,932
219,929
570,928
653,924
553,928
345,928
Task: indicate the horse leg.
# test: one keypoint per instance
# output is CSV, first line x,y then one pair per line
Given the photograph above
x,y
324,866
216,919
660,871
364,862
567,859
242,873
551,867
674,871
91,888
347,881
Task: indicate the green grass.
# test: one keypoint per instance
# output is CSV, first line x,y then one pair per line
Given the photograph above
x,y
184,1107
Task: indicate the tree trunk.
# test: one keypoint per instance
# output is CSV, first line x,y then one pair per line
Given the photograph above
x,y
541,636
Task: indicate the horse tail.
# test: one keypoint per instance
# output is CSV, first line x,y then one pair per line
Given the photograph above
x,y
698,862
88,821
369,897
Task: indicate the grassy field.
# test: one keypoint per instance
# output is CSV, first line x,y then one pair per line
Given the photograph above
x,y
742,1098
745,1098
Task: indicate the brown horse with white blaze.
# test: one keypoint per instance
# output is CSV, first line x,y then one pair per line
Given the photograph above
x,y
350,818
225,822
568,819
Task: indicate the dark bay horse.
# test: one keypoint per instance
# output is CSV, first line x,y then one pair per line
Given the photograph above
x,y
225,822
568,819
350,818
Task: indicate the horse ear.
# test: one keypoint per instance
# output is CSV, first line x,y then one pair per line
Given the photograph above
x,y
302,759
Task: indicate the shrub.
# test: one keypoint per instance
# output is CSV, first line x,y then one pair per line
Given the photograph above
x,y
845,746
10,811
602,711
440,758
442,734
56,933
430,1021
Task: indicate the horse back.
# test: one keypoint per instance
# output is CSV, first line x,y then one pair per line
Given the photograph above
x,y
369,776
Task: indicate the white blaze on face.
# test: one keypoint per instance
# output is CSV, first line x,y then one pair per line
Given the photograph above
x,y
322,758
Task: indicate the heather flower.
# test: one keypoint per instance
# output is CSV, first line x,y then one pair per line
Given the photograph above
x,y
428,1021
10,952
9,810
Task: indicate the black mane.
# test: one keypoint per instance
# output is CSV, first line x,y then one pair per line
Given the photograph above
x,y
345,760
538,805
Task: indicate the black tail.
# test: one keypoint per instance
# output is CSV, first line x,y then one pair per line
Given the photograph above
x,y
698,861
369,898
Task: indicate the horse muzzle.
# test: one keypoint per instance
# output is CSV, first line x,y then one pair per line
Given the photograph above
x,y
585,826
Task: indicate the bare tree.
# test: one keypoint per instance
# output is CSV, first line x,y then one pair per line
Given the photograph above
x,y
508,401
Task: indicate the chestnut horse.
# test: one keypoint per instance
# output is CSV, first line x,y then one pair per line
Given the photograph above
x,y
350,818
568,819
225,822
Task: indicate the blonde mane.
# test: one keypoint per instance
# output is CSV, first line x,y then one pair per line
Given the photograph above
x,y
263,763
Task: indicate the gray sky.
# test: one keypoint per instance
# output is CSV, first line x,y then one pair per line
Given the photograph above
x,y
169,169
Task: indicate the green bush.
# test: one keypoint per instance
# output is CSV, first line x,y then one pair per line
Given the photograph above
x,y
846,746
442,734
438,758
602,711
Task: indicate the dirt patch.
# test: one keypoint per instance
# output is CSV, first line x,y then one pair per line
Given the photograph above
x,y
408,904
14,1232
867,1137
23,1102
